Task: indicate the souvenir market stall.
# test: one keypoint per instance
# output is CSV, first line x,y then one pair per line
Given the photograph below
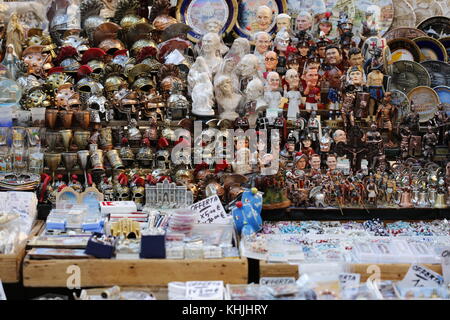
x,y
165,143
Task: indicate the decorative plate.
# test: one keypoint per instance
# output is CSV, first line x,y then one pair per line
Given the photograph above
x,y
425,100
198,13
404,49
356,10
446,43
431,49
400,100
436,27
246,20
444,96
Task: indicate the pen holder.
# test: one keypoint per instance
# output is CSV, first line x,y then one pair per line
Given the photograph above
x,y
153,247
100,250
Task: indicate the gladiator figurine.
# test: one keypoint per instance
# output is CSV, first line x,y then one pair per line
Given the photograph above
x,y
430,141
385,115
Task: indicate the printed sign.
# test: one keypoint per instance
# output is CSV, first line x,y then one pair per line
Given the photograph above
x,y
349,280
210,210
420,276
204,290
276,281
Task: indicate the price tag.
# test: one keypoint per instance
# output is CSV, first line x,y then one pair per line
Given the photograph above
x,y
210,210
445,261
276,281
349,280
2,292
204,290
420,276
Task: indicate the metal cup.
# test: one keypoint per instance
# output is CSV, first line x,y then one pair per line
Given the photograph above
x,y
97,160
83,156
51,137
81,139
114,159
83,118
51,115
66,138
66,118
52,160
69,160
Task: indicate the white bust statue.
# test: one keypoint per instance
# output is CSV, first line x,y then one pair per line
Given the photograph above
x,y
294,96
227,98
210,50
247,69
255,101
203,96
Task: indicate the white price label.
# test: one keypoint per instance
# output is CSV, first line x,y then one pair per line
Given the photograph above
x,y
420,276
276,281
210,210
204,290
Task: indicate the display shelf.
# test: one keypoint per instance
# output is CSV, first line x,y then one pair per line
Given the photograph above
x,y
142,272
11,264
293,214
388,271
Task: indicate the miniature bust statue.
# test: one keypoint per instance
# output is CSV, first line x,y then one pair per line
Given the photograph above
x,y
294,96
227,68
199,68
210,50
311,90
215,26
356,77
239,49
247,69
255,101
241,165
355,58
262,44
263,21
272,94
339,136
283,21
227,98
333,56
271,61
304,21
331,162
203,96
282,41
315,162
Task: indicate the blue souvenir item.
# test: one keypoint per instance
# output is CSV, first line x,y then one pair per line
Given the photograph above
x,y
255,199
246,219
444,96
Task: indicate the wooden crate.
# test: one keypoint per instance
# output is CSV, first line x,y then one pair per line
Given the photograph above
x,y
395,271
387,271
277,270
10,264
142,272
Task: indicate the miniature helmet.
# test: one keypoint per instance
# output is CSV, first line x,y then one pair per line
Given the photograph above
x,y
110,46
114,83
140,44
56,78
130,20
161,22
162,159
37,98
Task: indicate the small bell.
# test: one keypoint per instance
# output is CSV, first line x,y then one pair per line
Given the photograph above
x,y
405,200
423,201
440,201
